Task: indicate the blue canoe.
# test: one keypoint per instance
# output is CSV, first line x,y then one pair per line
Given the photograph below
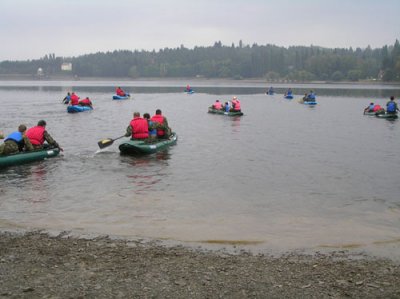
x,y
77,108
117,97
289,97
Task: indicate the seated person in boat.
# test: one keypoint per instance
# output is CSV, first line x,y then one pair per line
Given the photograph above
x,y
86,102
227,107
38,135
163,130
271,90
217,105
369,108
391,106
120,92
235,105
152,127
188,88
16,142
309,97
138,127
74,99
289,92
67,98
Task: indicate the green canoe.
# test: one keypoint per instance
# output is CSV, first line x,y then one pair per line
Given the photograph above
x,y
141,147
27,157
387,115
216,111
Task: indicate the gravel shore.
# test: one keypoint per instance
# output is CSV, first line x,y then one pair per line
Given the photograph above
x,y
36,265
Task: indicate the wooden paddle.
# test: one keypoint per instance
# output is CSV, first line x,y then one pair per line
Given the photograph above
x,y
107,142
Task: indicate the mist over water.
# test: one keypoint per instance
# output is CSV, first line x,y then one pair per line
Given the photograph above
x,y
284,176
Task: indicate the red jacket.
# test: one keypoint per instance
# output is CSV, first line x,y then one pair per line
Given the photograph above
x,y
158,118
140,128
217,105
120,92
36,135
236,105
85,102
74,99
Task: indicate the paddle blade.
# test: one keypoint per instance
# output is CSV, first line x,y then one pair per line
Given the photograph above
x,y
105,142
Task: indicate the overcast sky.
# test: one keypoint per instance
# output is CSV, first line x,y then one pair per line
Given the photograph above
x,y
29,29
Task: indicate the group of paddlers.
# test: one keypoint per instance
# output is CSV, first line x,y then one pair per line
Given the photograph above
x,y
74,100
148,128
391,107
30,139
233,106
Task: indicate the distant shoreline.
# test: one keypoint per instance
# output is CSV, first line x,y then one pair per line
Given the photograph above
x,y
190,80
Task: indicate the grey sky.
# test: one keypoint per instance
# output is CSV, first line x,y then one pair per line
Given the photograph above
x,y
29,29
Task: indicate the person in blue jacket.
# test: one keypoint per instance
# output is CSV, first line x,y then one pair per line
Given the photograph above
x,y
391,106
16,142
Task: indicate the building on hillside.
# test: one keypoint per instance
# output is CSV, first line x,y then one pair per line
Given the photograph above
x,y
66,66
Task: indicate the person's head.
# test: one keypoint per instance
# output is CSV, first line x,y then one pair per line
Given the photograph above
x,y
217,100
136,114
234,98
392,98
146,116
158,112
21,128
371,103
41,123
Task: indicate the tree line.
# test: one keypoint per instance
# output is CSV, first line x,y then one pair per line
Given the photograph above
x,y
295,63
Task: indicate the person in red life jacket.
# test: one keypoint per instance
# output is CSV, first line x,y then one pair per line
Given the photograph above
x,y
163,130
86,102
38,135
235,105
119,91
138,127
378,109
74,99
217,105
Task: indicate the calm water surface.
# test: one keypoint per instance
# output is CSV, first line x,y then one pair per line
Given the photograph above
x,y
284,176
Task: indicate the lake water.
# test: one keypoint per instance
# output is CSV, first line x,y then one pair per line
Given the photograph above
x,y
282,177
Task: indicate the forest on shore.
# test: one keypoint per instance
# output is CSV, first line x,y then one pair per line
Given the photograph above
x,y
271,62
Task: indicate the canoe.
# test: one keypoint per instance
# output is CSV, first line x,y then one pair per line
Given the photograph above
x,y
77,108
387,115
27,157
142,147
117,97
216,111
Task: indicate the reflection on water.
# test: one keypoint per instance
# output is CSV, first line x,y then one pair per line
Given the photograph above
x,y
282,176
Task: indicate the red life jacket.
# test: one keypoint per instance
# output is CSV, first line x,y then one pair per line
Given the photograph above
x,y
36,135
74,99
158,118
140,128
377,108
236,105
120,92
85,102
217,105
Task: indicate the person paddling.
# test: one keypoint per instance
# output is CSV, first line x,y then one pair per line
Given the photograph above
x,y
391,106
120,92
38,135
138,127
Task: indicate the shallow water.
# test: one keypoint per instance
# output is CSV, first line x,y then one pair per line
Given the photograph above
x,y
284,176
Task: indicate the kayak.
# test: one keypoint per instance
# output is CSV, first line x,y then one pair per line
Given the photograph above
x,y
289,97
143,147
26,157
189,91
78,108
387,115
230,113
117,97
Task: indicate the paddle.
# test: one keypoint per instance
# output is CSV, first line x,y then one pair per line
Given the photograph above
x,y
107,142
